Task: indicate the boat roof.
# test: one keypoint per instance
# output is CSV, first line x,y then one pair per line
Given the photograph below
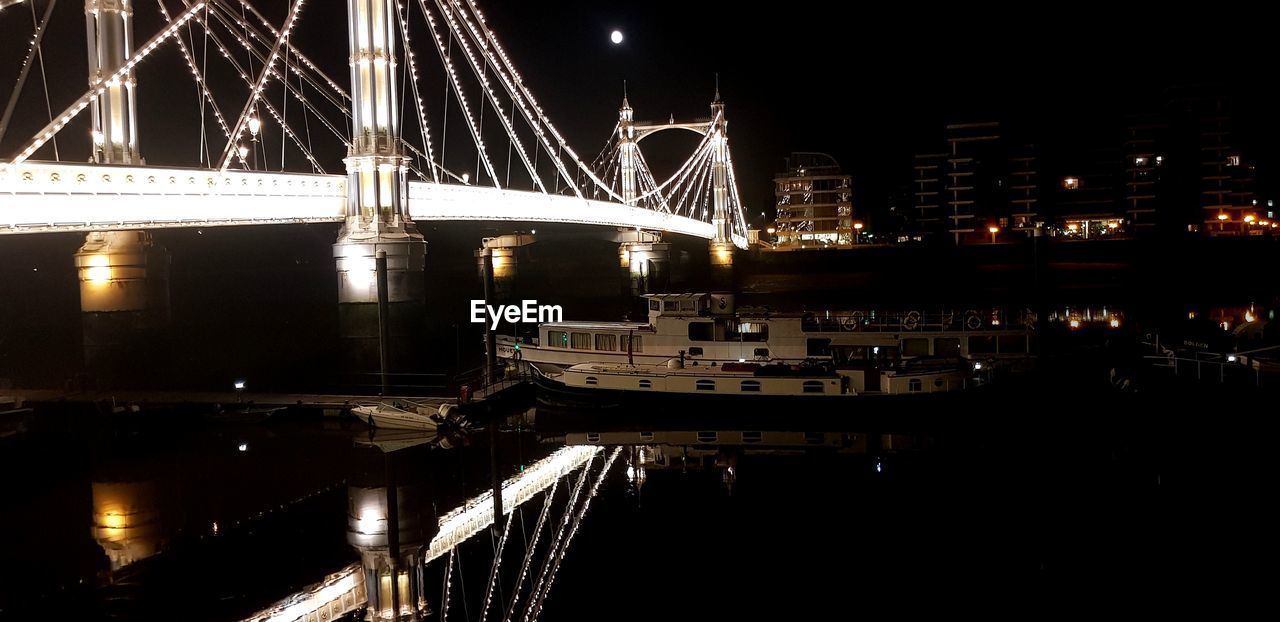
x,y
599,325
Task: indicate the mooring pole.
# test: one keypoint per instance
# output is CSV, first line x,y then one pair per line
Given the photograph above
x,y
384,319
490,340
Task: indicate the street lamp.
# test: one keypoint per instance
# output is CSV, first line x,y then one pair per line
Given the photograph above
x,y
239,386
994,230
857,232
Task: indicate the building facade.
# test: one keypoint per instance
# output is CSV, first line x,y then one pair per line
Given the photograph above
x,y
814,204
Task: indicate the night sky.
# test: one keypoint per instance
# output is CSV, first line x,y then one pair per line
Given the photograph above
x,y
869,84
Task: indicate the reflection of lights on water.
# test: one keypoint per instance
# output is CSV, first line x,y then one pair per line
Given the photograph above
x,y
214,528
879,466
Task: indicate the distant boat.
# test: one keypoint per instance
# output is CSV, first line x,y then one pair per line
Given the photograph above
x,y
406,415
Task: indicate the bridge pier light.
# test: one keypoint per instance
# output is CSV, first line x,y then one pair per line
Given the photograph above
x,y
645,263
722,265
367,531
124,304
505,250
355,257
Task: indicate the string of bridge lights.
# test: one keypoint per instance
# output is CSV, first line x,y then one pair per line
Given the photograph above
x,y
487,88
256,92
493,574
533,546
254,123
413,72
559,537
101,86
503,61
512,92
240,70
462,100
577,522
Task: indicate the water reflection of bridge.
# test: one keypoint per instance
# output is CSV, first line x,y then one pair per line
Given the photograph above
x,y
348,590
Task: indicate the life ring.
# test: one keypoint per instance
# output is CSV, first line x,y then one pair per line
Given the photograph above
x,y
911,320
849,323
972,321
857,320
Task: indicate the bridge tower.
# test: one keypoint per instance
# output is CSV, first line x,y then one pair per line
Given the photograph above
x,y
124,275
627,150
377,215
109,28
721,246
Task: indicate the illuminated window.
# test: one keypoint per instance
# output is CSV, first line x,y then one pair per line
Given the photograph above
x,y
637,344
1070,183
1140,161
608,343
557,339
1233,160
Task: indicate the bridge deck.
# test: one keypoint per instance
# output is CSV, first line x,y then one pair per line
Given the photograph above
x,y
38,197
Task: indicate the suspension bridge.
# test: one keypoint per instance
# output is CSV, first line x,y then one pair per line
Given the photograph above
x,y
397,171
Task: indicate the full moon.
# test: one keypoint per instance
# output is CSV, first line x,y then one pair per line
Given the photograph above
x,y
616,37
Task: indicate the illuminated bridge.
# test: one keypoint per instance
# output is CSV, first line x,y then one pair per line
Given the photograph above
x,y
262,145
353,587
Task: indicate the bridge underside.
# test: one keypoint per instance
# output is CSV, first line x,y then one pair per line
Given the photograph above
x,y
42,197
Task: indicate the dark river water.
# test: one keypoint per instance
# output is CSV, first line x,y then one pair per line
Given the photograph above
x,y
1037,499
1051,494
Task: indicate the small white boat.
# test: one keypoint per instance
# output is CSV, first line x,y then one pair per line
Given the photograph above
x,y
405,415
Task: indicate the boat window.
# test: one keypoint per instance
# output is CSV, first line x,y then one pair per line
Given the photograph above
x,y
915,347
751,331
557,339
646,384
761,353
751,386
688,305
752,437
701,331
818,347
580,341
1013,344
695,351
646,436
671,305
593,437
592,380
813,386
705,385
708,437
654,305
637,344
979,344
608,343
914,385
946,346
814,438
